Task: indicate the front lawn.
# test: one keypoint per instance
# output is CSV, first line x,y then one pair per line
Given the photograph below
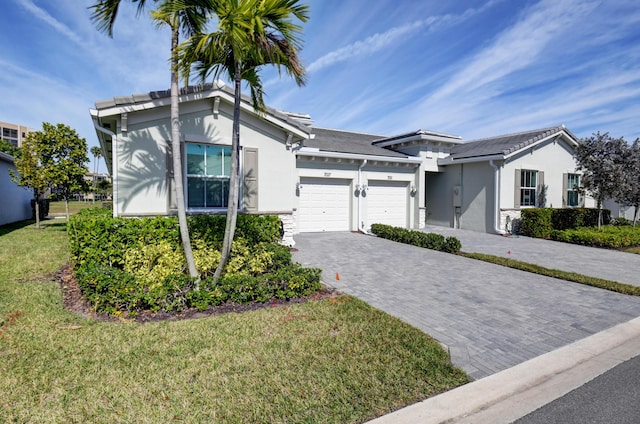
x,y
336,360
57,208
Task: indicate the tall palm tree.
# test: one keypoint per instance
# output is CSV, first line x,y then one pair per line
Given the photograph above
x,y
188,16
97,154
249,34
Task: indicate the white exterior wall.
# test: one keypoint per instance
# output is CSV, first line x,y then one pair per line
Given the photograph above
x,y
553,158
141,158
16,201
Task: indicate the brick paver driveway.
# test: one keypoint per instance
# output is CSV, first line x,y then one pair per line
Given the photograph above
x,y
489,317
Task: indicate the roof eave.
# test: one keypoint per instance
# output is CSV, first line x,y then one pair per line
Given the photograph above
x,y
357,156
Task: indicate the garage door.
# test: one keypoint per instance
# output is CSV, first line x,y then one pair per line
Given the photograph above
x,y
324,205
387,203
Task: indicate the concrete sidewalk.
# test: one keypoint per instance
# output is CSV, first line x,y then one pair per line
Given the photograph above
x,y
594,262
511,394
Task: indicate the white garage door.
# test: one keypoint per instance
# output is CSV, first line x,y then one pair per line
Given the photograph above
x,y
387,203
324,205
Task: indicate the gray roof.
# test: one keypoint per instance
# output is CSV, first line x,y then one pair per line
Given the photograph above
x,y
504,144
200,88
329,140
401,137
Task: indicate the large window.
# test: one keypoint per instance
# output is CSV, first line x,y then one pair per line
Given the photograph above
x,y
528,184
208,170
573,183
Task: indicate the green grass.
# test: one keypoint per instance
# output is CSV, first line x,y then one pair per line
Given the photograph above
x,y
337,360
635,250
555,273
57,208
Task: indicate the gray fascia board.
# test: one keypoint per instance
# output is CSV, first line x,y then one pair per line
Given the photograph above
x,y
449,161
356,156
110,109
533,145
6,157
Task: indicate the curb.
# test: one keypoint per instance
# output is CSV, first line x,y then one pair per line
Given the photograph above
x,y
513,393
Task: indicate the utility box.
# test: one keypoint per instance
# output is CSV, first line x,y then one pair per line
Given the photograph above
x,y
457,196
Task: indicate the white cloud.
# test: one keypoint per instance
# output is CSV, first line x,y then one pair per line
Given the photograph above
x,y
379,41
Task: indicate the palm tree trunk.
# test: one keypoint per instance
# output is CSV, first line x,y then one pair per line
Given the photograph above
x,y
177,157
234,180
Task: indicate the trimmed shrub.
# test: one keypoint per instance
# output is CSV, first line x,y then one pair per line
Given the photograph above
x,y
417,238
536,222
613,237
565,218
124,266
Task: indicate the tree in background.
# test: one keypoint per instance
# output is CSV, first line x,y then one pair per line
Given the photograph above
x,y
600,158
64,158
31,169
97,154
249,35
188,16
8,148
630,184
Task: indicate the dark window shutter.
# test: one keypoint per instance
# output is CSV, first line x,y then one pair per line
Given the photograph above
x,y
516,193
250,182
565,190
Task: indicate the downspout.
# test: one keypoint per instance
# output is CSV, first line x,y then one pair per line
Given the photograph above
x,y
114,167
496,197
360,190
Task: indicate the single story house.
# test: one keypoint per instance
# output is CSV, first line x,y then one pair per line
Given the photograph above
x,y
320,179
16,200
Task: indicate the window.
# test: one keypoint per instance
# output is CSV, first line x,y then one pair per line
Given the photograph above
x,y
208,170
573,182
528,186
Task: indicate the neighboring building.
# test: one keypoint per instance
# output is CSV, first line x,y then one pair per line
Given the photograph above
x,y
16,201
319,179
490,181
13,133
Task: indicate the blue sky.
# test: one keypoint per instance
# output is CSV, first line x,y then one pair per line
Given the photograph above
x,y
469,68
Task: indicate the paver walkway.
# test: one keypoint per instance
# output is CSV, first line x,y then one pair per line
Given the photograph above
x,y
489,317
594,262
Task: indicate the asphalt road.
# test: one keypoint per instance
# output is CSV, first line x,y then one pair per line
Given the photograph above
x,y
612,398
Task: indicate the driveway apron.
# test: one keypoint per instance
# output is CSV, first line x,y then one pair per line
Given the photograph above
x,y
489,317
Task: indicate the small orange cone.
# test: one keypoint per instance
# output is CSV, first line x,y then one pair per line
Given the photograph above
x,y
337,277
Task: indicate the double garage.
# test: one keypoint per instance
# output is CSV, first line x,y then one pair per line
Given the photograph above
x,y
336,204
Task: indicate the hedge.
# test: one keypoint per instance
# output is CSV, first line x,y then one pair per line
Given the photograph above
x,y
613,237
417,238
540,222
126,265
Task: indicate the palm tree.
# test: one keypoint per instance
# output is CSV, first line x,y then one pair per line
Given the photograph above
x,y
249,34
97,154
188,16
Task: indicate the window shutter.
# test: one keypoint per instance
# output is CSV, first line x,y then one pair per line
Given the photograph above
x,y
250,184
565,189
516,193
541,193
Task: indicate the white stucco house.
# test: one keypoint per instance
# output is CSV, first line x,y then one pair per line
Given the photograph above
x,y
16,201
319,179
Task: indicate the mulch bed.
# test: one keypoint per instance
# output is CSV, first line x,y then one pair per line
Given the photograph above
x,y
75,302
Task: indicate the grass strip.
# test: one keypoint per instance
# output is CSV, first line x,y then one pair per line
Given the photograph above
x,y
334,361
555,273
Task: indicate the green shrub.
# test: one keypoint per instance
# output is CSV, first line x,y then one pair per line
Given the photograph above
x,y
565,218
253,228
613,237
417,238
124,266
536,222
